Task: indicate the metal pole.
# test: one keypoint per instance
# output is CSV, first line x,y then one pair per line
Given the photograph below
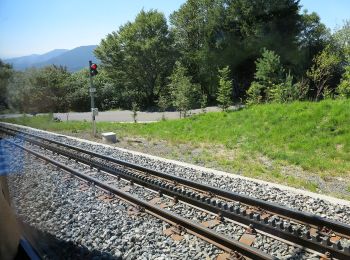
x,y
92,102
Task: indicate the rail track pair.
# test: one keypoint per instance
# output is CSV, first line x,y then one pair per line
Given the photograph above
x,y
307,231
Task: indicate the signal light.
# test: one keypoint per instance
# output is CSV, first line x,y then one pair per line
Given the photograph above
x,y
93,69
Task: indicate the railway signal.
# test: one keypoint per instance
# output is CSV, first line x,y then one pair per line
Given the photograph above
x,y
94,111
93,69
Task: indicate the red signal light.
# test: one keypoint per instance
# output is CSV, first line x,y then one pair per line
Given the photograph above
x,y
93,69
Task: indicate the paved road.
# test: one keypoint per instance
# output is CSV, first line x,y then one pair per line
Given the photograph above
x,y
120,115
126,115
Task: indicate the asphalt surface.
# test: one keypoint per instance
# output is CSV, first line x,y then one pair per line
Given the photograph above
x,y
126,115
121,115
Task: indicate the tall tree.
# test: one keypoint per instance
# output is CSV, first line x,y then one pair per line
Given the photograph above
x,y
255,24
184,93
6,73
138,57
213,33
313,38
196,29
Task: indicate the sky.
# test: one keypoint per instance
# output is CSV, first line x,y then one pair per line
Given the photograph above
x,y
38,26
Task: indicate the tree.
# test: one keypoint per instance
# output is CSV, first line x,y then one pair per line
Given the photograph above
x,y
251,25
6,73
321,72
138,58
78,92
18,91
184,93
344,87
196,29
341,43
40,90
225,89
163,103
313,38
269,73
341,38
269,69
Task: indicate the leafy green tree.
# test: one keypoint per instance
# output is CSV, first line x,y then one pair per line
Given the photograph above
x,y
40,90
184,93
138,58
313,38
6,73
321,72
341,40
252,25
18,91
196,28
225,89
78,92
344,87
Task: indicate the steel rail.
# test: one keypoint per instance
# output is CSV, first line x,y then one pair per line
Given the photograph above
x,y
214,237
281,230
303,217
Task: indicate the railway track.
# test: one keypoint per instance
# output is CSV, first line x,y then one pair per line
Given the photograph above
x,y
307,231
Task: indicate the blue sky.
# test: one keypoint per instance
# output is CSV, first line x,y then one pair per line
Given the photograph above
x,y
38,26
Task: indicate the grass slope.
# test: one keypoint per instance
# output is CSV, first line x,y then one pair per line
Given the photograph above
x,y
261,140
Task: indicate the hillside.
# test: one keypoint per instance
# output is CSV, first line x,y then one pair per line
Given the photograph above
x,y
24,62
74,59
302,144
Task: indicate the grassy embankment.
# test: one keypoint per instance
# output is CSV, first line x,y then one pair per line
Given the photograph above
x,y
303,144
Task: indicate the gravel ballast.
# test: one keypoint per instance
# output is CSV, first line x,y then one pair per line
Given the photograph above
x,y
105,229
49,200
335,209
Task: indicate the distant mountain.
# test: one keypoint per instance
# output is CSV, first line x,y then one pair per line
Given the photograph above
x,y
24,62
74,59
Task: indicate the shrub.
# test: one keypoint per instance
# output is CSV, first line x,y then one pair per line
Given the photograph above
x,y
255,93
225,89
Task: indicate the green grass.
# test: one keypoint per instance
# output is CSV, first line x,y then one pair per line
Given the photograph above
x,y
313,136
